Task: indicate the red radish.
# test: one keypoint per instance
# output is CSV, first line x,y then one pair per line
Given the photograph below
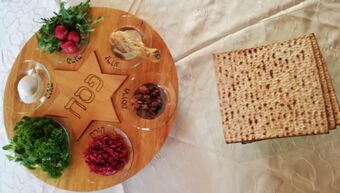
x,y
60,32
73,36
69,47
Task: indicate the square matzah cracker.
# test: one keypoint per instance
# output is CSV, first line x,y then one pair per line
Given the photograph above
x,y
270,91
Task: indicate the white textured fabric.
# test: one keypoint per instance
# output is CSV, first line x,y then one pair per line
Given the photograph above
x,y
195,157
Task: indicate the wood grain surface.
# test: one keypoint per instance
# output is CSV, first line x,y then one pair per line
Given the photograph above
x,y
85,95
145,144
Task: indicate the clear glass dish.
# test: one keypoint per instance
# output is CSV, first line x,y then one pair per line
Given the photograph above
x,y
111,130
31,70
128,61
168,96
35,126
63,58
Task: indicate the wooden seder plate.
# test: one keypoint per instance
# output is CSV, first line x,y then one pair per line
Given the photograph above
x,y
90,93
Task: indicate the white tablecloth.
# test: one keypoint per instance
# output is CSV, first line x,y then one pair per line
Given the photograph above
x,y
195,158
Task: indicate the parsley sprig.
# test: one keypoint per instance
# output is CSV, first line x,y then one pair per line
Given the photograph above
x,y
40,143
73,18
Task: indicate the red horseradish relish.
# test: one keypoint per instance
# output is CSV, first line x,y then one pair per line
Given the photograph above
x,y
107,154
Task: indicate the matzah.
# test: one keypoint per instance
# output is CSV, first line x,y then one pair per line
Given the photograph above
x,y
333,112
270,91
323,80
331,91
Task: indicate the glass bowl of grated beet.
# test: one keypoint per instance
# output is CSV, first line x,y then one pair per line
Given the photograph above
x,y
109,153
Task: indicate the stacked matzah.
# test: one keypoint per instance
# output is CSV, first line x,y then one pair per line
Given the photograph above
x,y
276,90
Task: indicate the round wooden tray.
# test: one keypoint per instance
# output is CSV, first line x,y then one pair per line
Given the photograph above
x,y
145,144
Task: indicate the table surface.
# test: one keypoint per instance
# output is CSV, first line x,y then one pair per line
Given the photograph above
x,y
195,157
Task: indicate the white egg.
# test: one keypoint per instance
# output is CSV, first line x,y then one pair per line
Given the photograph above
x,y
29,88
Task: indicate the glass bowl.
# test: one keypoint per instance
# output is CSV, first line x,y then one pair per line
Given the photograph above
x,y
127,101
63,58
128,61
36,130
31,72
112,130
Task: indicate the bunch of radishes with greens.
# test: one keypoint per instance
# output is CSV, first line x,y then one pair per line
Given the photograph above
x,y
67,30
